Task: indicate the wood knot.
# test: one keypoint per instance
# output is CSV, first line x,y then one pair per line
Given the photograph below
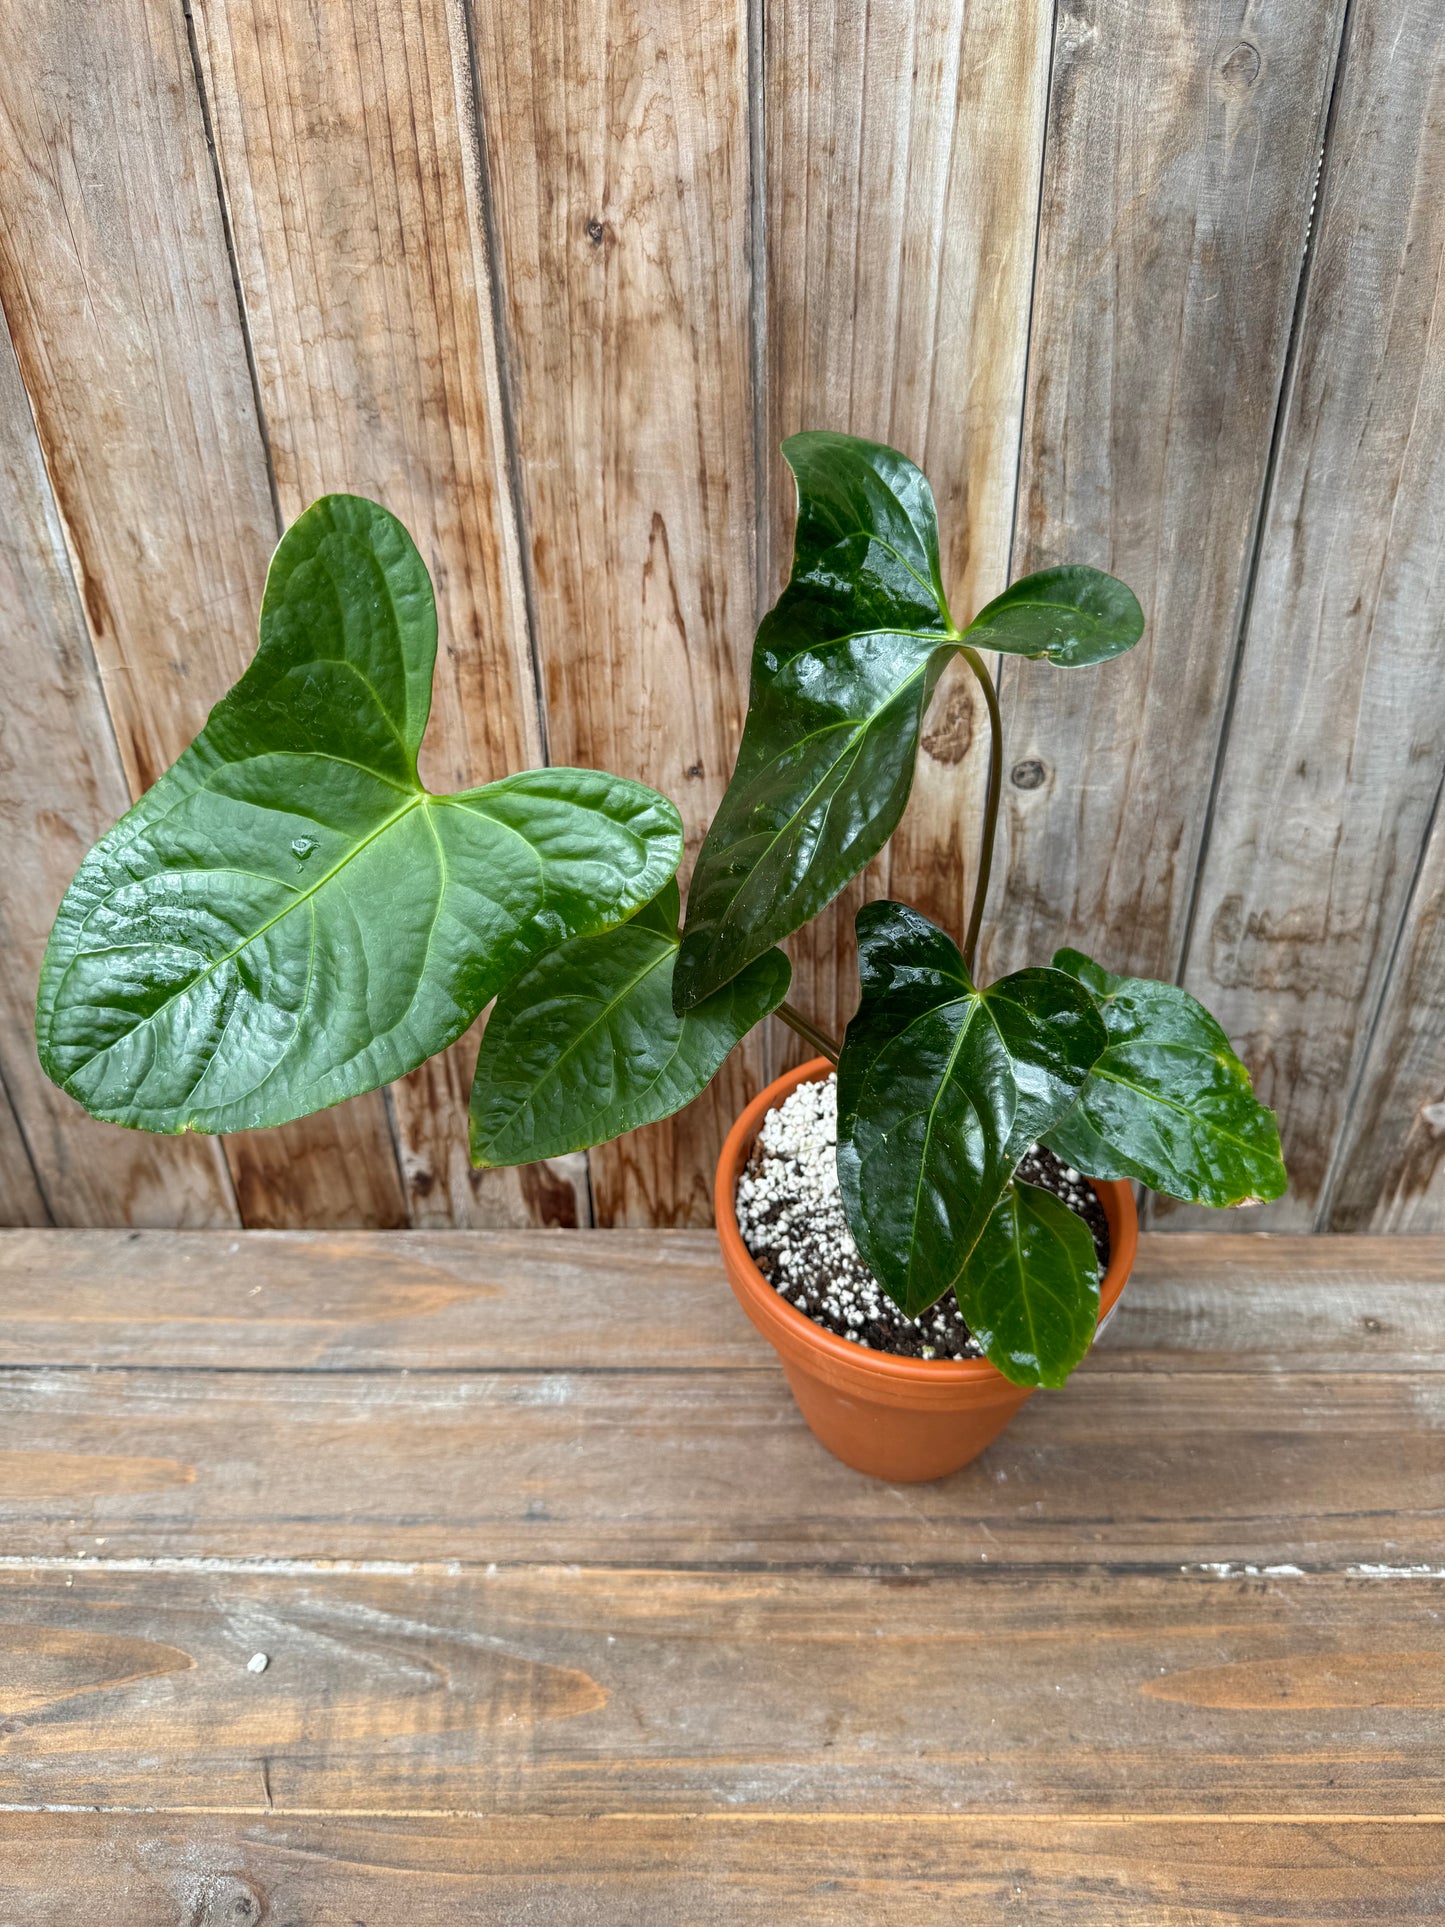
x,y
1028,775
596,233
1240,68
226,1900
947,740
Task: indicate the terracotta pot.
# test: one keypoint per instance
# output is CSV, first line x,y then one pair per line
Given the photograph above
x,y
896,1418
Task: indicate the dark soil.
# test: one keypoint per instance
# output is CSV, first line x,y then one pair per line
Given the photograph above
x,y
822,1274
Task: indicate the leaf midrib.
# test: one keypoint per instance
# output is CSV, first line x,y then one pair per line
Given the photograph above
x,y
1170,1104
934,589
860,728
971,994
669,947
300,897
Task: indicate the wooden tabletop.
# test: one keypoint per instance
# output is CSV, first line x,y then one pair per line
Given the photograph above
x,y
566,1617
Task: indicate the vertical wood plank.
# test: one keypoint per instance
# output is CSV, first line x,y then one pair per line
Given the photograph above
x,y
347,148
116,282
903,153
1334,758
617,141
61,785
1181,155
1389,1170
21,1200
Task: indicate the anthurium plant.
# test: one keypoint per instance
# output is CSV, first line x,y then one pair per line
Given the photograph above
x,y
289,918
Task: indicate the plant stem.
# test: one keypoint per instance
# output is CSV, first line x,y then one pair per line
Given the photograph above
x,y
990,812
819,1039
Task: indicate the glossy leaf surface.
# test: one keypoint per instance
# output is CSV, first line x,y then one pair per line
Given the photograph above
x,y
287,918
584,1045
843,670
1168,1102
1072,616
941,1089
1029,1291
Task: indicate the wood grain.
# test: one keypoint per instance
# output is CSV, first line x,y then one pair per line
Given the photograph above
x,y
1181,154
903,150
1390,1162
718,1871
617,145
648,1302
1333,763
21,1200
346,143
702,1467
61,786
117,287
619,1642
564,1692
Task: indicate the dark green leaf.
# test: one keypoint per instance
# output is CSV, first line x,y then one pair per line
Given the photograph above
x,y
1029,1291
584,1045
941,1089
288,918
842,671
1168,1102
1071,615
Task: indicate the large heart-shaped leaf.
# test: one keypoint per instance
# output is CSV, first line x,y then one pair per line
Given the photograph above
x,y
1168,1102
1029,1290
942,1087
584,1045
843,669
288,918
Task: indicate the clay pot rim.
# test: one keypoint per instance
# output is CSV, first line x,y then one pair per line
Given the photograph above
x,y
886,1369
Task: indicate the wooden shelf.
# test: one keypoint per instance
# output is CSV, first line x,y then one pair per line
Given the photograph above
x,y
568,1618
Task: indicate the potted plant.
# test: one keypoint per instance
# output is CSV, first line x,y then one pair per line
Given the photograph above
x,y
288,918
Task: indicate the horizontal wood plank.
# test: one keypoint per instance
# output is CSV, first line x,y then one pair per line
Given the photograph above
x,y
566,1691
711,1467
613,1871
624,1300
566,1616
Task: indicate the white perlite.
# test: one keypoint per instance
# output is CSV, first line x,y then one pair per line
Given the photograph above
x,y
788,1204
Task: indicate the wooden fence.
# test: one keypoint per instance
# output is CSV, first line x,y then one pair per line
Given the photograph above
x,y
1153,284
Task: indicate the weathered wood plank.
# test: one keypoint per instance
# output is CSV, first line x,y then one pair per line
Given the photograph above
x,y
1390,1161
61,786
117,287
903,149
346,142
1181,155
21,1200
719,1870
617,146
641,1301
643,1692
1334,758
702,1467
